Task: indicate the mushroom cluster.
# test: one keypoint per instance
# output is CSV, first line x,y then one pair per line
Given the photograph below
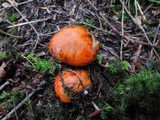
x,y
75,46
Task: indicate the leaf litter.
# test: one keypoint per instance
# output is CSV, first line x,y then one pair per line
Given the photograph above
x,y
38,20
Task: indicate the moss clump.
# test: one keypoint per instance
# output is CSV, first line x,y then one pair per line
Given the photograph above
x,y
140,90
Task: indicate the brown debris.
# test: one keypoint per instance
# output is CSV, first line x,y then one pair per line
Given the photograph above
x,y
3,110
37,20
2,71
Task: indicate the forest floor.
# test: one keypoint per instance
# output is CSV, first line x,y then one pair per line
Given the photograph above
x,y
129,36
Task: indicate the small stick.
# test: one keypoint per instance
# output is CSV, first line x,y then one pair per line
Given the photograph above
x,y
4,85
92,5
140,10
122,26
30,22
26,59
148,8
154,40
8,34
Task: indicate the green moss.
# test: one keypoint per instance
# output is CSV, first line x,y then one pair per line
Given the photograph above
x,y
89,21
41,64
12,17
10,99
99,58
142,87
116,66
3,55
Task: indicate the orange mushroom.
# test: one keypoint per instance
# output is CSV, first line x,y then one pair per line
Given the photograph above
x,y
74,45
69,82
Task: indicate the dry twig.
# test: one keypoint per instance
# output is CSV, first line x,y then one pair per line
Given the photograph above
x,y
21,54
154,41
121,49
4,85
30,22
8,34
140,10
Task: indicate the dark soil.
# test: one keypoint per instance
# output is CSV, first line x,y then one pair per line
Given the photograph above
x,y
138,44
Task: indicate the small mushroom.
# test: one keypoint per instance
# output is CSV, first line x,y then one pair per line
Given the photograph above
x,y
96,112
69,82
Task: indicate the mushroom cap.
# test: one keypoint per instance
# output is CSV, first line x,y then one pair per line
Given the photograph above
x,y
69,82
74,45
